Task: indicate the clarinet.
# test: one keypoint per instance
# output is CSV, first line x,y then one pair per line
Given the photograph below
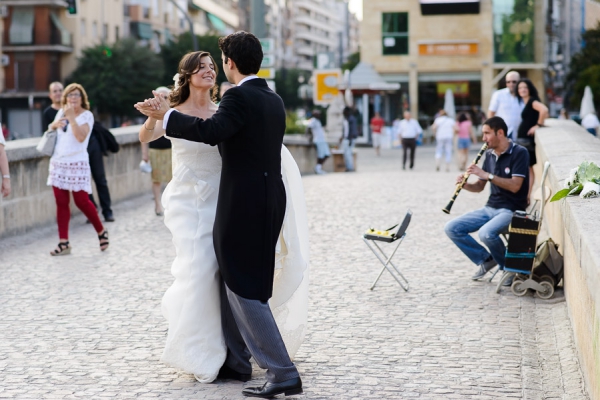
x,y
464,180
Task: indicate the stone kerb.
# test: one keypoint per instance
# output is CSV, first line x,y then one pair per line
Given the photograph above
x,y
574,223
31,203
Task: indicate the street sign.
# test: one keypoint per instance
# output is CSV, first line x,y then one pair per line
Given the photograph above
x,y
326,84
268,61
266,73
325,60
268,45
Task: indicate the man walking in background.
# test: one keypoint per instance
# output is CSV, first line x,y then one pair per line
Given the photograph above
x,y
377,124
505,104
409,130
55,92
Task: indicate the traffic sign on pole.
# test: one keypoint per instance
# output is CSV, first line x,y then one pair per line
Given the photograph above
x,y
326,85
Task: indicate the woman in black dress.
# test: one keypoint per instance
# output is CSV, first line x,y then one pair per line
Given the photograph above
x,y
533,116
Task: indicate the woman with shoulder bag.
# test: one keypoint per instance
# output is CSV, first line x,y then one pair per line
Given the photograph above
x,y
532,117
70,167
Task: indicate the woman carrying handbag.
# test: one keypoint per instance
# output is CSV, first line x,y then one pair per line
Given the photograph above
x,y
70,167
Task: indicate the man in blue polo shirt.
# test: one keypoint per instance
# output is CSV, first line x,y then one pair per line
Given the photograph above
x,y
506,167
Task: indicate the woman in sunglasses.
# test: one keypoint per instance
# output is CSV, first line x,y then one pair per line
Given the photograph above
x,y
70,167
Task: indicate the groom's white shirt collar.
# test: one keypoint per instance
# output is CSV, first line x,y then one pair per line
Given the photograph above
x,y
246,79
168,113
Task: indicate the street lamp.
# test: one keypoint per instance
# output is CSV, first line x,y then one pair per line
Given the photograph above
x,y
190,22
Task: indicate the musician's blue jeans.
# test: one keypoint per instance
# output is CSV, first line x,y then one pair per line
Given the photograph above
x,y
490,222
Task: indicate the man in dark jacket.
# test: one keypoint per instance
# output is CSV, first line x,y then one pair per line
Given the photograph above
x,y
248,128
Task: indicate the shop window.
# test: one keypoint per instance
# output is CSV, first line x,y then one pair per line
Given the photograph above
x,y
514,34
394,33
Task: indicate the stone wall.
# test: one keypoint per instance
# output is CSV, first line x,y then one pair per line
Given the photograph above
x,y
31,203
574,224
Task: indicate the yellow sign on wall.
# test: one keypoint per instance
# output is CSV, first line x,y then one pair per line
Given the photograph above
x,y
459,89
326,82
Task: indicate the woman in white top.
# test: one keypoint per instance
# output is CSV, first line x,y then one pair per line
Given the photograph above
x,y
70,167
443,126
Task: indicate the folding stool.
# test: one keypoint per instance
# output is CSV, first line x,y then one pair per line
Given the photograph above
x,y
394,234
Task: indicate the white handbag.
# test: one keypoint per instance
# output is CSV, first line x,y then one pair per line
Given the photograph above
x,y
47,143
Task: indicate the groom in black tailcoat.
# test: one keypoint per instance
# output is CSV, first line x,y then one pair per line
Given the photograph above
x,y
248,128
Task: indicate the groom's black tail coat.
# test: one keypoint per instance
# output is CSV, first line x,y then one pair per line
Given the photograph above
x,y
248,128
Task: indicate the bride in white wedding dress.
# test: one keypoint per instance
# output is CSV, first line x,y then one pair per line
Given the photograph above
x,y
191,305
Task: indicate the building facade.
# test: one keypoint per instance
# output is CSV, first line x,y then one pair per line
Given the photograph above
x,y
465,49
42,42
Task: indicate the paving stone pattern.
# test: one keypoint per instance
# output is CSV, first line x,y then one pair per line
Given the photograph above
x,y
89,325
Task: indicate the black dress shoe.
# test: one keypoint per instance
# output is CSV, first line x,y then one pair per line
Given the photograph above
x,y
227,373
269,389
109,218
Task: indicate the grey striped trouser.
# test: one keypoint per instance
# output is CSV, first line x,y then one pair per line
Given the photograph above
x,y
251,322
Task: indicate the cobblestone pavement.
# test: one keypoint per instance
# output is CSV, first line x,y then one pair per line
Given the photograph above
x,y
89,325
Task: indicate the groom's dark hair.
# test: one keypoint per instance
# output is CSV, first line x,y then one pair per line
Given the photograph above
x,y
244,49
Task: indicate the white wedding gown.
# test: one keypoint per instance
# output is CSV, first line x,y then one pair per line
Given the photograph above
x,y
191,305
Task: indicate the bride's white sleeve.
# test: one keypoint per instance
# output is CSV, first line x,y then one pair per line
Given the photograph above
x,y
290,287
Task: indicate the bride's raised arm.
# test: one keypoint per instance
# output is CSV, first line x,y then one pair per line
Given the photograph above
x,y
151,130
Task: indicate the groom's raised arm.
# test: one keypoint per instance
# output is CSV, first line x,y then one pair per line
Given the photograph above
x,y
225,123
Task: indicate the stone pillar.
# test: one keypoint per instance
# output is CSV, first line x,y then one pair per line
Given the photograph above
x,y
413,91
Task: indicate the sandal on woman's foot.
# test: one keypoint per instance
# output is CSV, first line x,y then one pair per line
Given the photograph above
x,y
62,249
103,240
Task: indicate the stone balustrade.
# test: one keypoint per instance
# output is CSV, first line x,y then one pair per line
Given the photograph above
x,y
574,224
31,203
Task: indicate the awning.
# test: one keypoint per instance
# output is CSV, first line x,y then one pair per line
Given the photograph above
x,y
449,76
364,77
65,35
217,23
21,26
142,30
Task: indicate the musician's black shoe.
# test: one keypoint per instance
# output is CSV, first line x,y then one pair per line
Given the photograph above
x,y
227,373
484,268
269,390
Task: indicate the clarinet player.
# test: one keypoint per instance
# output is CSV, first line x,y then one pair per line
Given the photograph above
x,y
506,167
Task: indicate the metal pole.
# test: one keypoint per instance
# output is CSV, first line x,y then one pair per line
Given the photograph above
x,y
257,18
190,22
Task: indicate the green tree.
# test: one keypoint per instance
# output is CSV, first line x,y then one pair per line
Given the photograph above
x,y
353,60
287,84
117,77
173,51
585,68
516,41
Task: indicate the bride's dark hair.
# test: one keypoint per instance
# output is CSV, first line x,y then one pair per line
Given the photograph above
x,y
188,66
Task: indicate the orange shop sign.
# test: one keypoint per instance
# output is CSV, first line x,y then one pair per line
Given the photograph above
x,y
448,49
459,89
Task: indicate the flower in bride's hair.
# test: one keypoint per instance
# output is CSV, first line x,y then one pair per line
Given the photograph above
x,y
176,80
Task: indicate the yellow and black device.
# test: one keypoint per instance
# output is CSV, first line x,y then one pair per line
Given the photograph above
x,y
386,235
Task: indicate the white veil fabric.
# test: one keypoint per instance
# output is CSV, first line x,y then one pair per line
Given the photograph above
x,y
289,302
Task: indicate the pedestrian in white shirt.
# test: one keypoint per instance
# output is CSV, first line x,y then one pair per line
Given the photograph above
x,y
591,123
443,126
506,105
315,130
409,129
